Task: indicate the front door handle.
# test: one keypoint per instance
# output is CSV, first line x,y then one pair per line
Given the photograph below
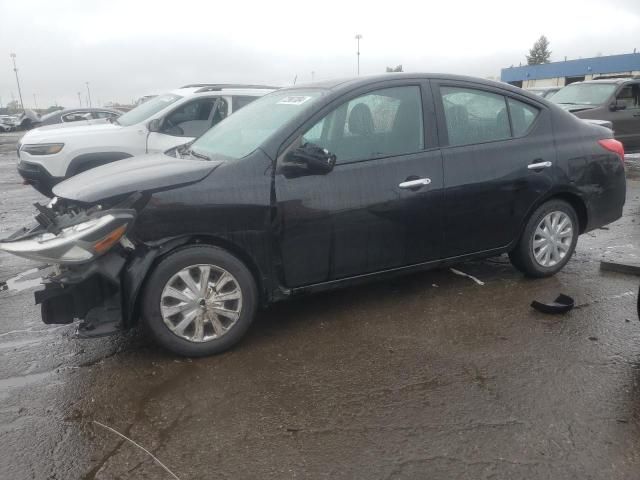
x,y
538,165
417,183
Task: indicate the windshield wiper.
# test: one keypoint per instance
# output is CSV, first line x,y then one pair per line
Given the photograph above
x,y
198,155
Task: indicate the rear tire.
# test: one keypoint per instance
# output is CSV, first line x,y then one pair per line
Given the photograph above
x,y
548,240
199,301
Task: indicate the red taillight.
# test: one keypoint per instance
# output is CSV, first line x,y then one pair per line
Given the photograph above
x,y
614,146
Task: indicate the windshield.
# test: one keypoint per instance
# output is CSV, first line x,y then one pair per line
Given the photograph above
x,y
244,131
584,93
147,109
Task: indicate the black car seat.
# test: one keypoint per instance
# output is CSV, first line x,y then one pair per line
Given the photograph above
x,y
406,135
458,124
361,143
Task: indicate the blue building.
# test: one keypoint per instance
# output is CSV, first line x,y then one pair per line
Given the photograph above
x,y
564,73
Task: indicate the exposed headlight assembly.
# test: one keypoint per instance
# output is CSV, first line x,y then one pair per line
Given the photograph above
x,y
42,148
77,243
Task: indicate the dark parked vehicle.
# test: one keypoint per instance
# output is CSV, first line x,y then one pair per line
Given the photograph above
x,y
616,100
317,187
71,115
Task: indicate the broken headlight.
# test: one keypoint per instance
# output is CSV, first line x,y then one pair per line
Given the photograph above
x,y
76,243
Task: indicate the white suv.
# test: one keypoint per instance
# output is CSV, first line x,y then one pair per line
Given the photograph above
x,y
51,154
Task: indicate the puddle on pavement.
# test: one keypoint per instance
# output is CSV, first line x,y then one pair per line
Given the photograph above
x,y
28,279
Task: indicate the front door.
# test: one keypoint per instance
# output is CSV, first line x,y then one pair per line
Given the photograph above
x,y
626,121
498,163
380,207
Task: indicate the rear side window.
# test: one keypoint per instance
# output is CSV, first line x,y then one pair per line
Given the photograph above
x,y
474,116
522,116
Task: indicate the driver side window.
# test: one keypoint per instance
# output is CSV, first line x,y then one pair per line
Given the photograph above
x,y
628,96
194,118
382,123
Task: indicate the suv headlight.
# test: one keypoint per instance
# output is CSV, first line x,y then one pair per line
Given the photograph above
x,y
42,148
77,243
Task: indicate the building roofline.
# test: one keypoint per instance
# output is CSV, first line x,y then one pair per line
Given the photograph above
x,y
627,62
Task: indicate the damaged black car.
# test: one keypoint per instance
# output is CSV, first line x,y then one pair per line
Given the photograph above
x,y
316,187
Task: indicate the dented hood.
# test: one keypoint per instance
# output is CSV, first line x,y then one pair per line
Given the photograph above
x,y
143,173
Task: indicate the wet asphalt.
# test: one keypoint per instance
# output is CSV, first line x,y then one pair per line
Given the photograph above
x,y
429,376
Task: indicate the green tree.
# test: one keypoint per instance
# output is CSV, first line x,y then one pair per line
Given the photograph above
x,y
397,68
540,52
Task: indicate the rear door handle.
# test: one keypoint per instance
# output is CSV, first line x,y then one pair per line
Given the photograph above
x,y
538,165
417,183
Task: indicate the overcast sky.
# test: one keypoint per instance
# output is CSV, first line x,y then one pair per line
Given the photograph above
x,y
129,48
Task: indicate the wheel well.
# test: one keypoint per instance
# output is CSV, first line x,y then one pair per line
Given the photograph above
x,y
202,240
578,205
226,245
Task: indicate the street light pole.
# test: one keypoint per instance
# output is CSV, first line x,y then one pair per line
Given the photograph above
x,y
88,94
35,102
358,37
15,69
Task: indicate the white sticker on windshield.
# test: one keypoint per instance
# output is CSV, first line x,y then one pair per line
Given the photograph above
x,y
294,100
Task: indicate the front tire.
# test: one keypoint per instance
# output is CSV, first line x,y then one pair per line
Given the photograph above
x,y
548,240
199,301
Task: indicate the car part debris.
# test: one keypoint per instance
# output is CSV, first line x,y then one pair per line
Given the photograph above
x,y
462,274
562,304
619,267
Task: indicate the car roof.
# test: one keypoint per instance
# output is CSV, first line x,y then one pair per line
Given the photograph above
x,y
85,109
616,81
199,89
349,83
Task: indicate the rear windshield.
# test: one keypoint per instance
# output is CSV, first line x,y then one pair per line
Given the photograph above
x,y
147,109
584,93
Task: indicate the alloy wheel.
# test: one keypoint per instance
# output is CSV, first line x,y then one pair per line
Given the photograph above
x,y
552,239
201,303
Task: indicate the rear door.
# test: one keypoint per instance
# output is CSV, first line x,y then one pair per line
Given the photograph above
x,y
498,155
380,207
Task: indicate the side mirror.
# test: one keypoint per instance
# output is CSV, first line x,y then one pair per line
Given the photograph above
x,y
154,125
308,159
615,106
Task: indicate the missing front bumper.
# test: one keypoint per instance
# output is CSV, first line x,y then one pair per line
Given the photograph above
x,y
91,293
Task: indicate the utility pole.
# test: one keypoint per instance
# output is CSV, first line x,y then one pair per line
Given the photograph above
x,y
15,69
79,99
358,37
35,102
88,94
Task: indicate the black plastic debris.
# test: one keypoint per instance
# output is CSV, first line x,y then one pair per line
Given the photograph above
x,y
562,304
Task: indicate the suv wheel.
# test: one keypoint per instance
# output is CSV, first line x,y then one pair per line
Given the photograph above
x,y
200,300
548,240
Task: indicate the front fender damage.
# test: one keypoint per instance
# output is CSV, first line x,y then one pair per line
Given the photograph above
x,y
104,293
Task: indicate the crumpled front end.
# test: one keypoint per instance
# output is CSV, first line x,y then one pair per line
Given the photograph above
x,y
89,246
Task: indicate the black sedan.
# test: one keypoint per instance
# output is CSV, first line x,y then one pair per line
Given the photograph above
x,y
317,187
